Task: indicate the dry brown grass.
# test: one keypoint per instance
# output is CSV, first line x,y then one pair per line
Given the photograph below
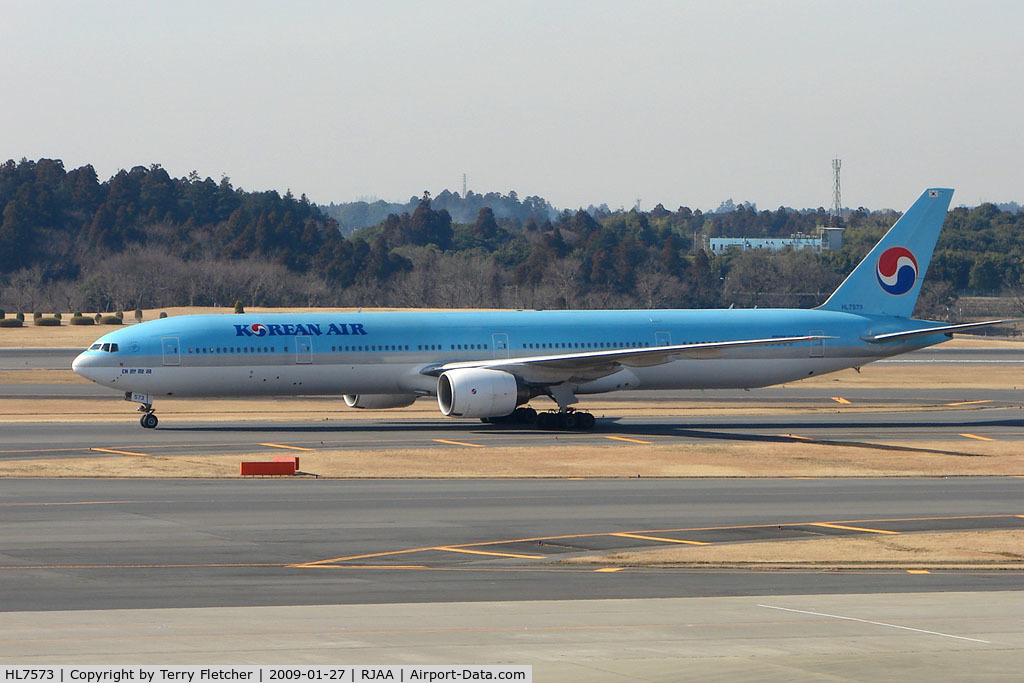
x,y
621,460
65,335
995,549
875,376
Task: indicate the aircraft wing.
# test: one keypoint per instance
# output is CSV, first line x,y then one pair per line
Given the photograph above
x,y
925,331
589,365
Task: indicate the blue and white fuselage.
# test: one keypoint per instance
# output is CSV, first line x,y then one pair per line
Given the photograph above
x,y
396,353
486,363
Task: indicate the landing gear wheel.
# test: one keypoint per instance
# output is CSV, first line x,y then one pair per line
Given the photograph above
x,y
148,421
570,420
525,416
546,420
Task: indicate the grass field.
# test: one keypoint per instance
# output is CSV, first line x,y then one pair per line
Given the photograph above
x,y
1000,549
30,336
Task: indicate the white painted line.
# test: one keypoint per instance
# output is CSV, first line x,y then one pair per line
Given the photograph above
x,y
876,623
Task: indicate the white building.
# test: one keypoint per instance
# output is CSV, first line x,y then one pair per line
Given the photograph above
x,y
827,239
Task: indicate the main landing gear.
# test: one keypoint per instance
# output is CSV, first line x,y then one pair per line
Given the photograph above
x,y
148,419
568,420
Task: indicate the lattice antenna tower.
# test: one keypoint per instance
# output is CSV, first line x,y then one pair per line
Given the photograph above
x,y
837,202
463,185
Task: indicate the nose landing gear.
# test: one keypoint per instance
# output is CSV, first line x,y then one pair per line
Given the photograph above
x,y
148,419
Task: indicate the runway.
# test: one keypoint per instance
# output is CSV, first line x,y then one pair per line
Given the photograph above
x,y
126,544
959,422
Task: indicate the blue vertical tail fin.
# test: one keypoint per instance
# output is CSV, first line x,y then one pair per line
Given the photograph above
x,y
889,278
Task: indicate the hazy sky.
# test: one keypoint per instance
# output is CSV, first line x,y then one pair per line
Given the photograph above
x,y
684,103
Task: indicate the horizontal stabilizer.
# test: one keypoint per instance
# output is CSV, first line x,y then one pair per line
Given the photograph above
x,y
942,329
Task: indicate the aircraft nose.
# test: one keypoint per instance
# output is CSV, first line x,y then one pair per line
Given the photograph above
x,y
85,365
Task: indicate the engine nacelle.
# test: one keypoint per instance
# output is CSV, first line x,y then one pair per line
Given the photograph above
x,y
379,401
479,392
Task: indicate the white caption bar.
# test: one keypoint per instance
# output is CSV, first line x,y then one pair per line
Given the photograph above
x,y
263,674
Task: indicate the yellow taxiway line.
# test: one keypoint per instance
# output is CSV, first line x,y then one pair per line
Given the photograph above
x,y
117,452
622,438
854,528
659,539
281,445
975,436
460,443
484,552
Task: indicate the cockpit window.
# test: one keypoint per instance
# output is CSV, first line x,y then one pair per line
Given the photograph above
x,y
95,347
108,347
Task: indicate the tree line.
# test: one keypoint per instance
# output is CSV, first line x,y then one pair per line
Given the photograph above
x,y
143,239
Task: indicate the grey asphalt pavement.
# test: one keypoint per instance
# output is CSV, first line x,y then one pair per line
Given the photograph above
x,y
111,544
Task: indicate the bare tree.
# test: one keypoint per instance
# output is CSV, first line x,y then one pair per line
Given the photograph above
x,y
563,275
24,290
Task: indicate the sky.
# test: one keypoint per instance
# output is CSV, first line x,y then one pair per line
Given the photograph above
x,y
590,102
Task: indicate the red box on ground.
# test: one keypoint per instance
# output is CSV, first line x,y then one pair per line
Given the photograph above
x,y
288,458
277,468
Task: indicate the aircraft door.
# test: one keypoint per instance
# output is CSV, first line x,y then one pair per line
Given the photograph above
x,y
172,353
663,339
817,345
303,350
499,341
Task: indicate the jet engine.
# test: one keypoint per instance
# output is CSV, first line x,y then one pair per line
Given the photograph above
x,y
379,401
479,392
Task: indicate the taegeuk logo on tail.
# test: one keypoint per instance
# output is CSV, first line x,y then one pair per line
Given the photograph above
x,y
896,270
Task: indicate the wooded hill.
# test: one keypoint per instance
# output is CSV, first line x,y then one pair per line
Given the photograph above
x,y
143,239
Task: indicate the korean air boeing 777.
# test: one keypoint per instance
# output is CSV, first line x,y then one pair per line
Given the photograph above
x,y
490,364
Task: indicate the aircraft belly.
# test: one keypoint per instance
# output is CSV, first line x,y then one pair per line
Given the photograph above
x,y
263,380
735,373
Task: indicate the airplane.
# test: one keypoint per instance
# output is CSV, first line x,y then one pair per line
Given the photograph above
x,y
490,364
